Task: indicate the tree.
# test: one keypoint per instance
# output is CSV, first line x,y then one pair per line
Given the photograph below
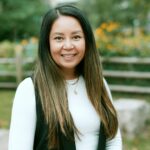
x,y
123,11
20,19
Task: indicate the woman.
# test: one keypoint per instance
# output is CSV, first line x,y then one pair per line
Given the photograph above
x,y
67,103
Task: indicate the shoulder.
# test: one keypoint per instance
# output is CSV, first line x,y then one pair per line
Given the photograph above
x,y
26,83
25,92
26,86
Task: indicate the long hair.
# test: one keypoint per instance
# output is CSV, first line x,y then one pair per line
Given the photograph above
x,y
50,81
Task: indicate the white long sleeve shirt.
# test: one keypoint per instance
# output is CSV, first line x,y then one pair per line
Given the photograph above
x,y
23,120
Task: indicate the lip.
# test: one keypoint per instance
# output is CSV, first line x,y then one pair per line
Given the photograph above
x,y
65,55
68,56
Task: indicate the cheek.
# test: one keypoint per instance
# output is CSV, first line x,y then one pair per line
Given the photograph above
x,y
82,48
53,52
54,48
55,56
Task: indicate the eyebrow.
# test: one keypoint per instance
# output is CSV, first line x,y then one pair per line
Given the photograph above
x,y
57,33
74,32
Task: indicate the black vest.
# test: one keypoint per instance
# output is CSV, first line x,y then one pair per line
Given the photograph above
x,y
41,141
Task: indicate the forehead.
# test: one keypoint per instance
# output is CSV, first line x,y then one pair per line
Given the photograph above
x,y
66,23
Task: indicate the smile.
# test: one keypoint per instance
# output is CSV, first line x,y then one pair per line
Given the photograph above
x,y
68,56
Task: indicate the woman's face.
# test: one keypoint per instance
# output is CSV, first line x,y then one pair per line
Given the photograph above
x,y
67,43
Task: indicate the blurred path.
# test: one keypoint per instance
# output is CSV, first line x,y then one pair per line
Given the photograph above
x,y
4,139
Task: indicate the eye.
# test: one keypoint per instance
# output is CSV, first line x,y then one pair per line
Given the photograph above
x,y
58,38
76,37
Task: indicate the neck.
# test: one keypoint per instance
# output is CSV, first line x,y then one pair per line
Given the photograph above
x,y
69,74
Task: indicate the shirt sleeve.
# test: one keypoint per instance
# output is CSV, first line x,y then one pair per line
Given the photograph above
x,y
116,142
23,119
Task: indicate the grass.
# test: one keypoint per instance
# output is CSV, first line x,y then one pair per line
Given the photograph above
x,y
6,99
141,142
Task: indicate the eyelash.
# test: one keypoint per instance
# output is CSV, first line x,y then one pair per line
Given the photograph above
x,y
77,37
59,38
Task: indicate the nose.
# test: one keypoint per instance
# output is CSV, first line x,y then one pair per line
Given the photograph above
x,y
68,44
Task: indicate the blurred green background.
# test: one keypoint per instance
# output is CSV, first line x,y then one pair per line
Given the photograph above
x,y
121,28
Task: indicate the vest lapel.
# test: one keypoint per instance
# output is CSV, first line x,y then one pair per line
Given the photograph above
x,y
65,143
102,139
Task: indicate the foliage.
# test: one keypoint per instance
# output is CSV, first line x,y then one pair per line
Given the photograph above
x,y
114,40
128,12
28,46
7,49
20,19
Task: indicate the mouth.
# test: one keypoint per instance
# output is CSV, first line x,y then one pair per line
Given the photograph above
x,y
68,56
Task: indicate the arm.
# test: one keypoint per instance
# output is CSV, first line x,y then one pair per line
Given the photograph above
x,y
23,119
116,142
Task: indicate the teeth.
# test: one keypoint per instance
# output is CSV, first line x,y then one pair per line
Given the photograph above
x,y
68,56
